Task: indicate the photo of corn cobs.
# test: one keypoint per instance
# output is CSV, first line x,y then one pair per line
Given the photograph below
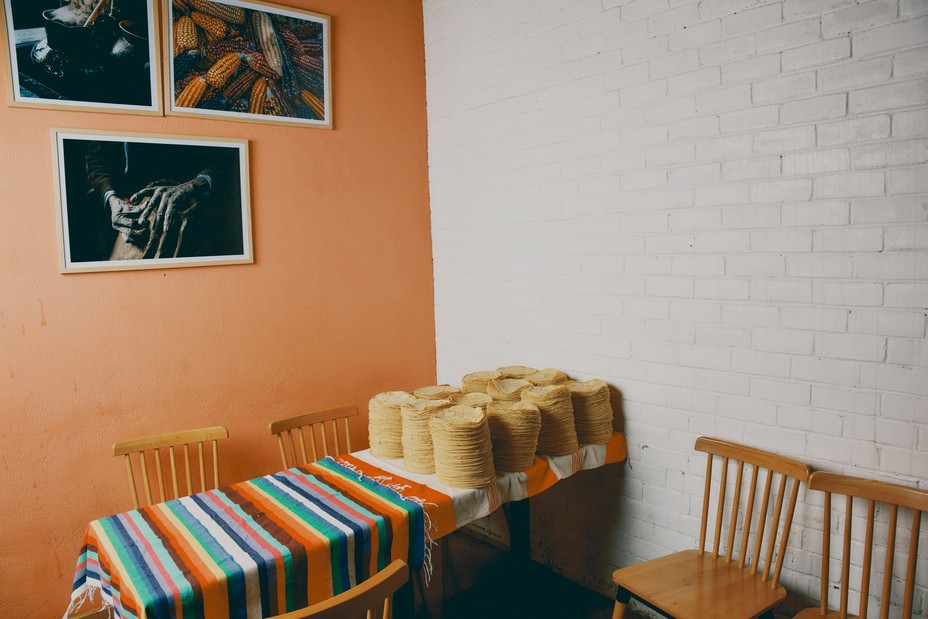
x,y
231,58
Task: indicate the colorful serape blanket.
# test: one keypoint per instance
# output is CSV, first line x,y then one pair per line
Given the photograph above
x,y
448,509
250,550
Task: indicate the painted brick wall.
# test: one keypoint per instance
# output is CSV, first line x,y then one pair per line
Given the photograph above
x,y
718,206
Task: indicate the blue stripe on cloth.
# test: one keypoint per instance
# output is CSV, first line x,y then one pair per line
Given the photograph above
x,y
152,591
235,574
382,518
252,538
175,575
360,532
338,540
416,514
238,538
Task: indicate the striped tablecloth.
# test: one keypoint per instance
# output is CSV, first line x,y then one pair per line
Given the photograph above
x,y
280,542
250,550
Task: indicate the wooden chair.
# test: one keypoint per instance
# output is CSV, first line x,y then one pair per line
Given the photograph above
x,y
150,447
695,584
372,599
894,496
323,424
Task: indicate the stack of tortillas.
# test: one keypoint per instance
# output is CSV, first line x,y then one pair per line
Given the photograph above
x,y
549,376
477,381
514,428
385,424
592,411
436,392
463,450
418,453
507,389
475,399
557,436
515,371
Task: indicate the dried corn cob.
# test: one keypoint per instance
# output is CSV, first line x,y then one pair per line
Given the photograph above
x,y
308,30
314,103
230,14
180,5
239,105
258,98
214,103
219,73
311,82
192,94
267,39
257,61
310,63
272,107
185,63
216,50
286,109
214,27
287,82
293,45
185,35
313,48
304,78
241,84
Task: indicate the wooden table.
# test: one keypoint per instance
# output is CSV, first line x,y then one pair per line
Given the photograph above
x,y
280,542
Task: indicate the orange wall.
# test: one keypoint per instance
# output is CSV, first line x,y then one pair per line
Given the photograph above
x,y
338,305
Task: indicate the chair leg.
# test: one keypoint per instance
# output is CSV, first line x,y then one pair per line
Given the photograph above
x,y
622,598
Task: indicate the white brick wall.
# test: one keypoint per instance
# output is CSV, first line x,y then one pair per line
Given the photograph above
x,y
718,206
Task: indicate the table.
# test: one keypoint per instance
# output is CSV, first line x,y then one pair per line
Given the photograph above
x,y
280,542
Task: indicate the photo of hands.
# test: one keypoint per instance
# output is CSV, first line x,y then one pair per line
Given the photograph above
x,y
130,202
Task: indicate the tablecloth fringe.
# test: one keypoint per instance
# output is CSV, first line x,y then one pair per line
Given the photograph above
x,y
402,489
87,595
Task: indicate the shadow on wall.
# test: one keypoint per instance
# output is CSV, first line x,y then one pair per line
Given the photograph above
x,y
587,512
618,410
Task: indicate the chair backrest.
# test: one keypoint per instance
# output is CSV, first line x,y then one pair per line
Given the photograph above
x,y
873,492
736,456
372,599
151,447
315,427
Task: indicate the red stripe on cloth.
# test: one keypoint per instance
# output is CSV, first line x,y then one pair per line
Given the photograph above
x,y
342,506
437,505
155,562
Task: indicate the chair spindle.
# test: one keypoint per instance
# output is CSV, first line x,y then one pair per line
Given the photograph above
x,y
736,501
720,512
748,517
705,506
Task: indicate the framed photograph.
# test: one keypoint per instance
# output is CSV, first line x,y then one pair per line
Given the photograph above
x,y
86,55
130,201
248,61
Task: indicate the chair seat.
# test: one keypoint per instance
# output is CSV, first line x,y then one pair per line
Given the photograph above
x,y
689,585
816,613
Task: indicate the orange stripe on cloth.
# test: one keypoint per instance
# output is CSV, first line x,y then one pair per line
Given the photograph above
x,y
318,564
539,477
128,594
616,448
437,505
211,579
351,492
399,517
